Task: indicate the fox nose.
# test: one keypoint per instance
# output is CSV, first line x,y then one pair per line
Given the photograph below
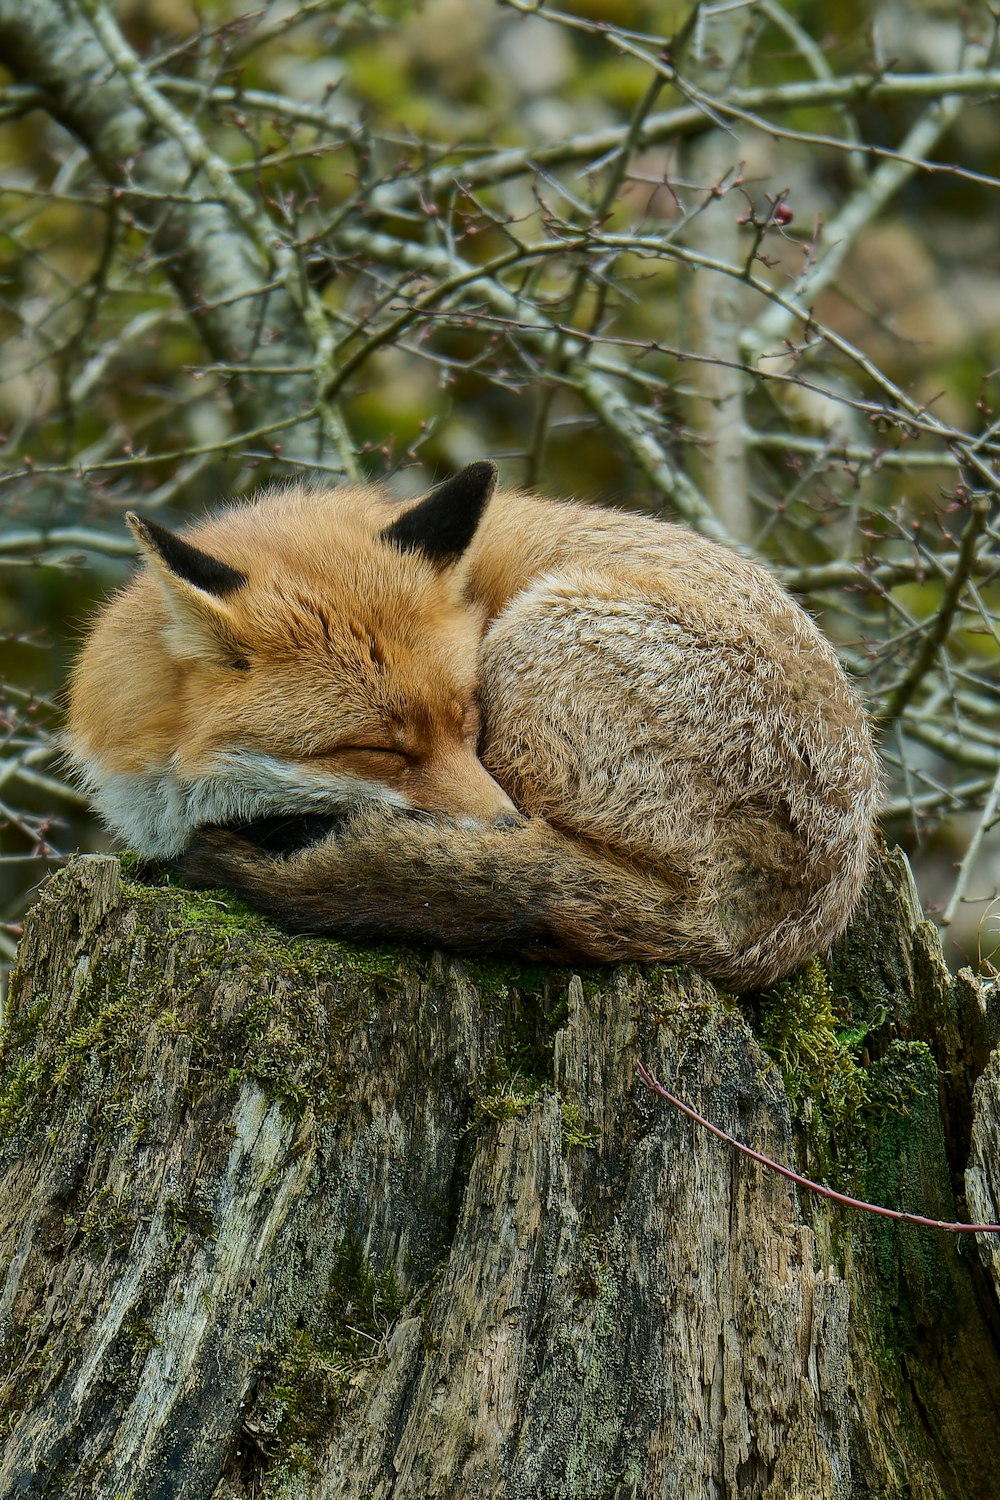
x,y
456,782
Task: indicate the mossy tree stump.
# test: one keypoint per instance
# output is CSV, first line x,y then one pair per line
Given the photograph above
x,y
285,1217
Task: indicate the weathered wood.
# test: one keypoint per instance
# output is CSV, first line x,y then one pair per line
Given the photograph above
x,y
286,1217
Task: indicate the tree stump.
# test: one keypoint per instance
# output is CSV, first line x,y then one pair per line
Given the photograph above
x,y
287,1217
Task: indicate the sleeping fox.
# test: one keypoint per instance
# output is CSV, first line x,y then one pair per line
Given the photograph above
x,y
486,722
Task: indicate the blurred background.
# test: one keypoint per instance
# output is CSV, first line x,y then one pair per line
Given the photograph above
x,y
737,264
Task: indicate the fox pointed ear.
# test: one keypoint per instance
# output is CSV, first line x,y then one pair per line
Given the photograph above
x,y
180,560
443,523
195,587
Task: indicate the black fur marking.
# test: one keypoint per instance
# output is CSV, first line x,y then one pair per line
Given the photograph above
x,y
190,563
442,525
285,834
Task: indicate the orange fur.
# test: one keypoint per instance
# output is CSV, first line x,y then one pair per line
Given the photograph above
x,y
697,774
363,662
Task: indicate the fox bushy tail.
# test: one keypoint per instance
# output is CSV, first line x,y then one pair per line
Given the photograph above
x,y
479,889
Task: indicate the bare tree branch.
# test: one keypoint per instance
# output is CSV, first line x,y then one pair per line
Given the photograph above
x,y
214,244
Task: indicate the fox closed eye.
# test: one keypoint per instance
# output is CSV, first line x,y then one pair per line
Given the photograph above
x,y
376,755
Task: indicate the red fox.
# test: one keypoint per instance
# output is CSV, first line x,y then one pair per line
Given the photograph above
x,y
486,722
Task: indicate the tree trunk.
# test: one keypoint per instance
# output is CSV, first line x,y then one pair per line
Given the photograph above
x,y
285,1217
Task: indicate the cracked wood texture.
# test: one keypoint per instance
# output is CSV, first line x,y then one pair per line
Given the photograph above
x,y
283,1217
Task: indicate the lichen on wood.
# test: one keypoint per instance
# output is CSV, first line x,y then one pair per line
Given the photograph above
x,y
286,1217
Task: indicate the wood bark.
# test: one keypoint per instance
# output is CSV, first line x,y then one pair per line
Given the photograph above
x,y
285,1217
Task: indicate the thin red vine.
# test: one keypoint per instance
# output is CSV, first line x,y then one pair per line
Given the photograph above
x,y
653,1083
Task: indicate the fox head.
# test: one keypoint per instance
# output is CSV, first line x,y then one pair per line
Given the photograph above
x,y
295,655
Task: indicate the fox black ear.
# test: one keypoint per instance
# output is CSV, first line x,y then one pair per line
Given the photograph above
x,y
443,523
189,563
196,588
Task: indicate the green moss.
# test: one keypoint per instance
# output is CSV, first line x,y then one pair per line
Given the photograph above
x,y
872,1127
502,1094
309,1377
191,1216
33,1064
226,918
304,993
574,1130
497,979
140,1331
816,1050
840,1097
108,1222
905,1077
871,965
220,909
918,1295
16,1095
531,1006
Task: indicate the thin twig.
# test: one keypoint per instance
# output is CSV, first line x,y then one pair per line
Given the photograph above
x,y
841,233
717,110
985,823
602,394
954,746
934,634
581,279
833,450
813,1187
671,125
76,537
